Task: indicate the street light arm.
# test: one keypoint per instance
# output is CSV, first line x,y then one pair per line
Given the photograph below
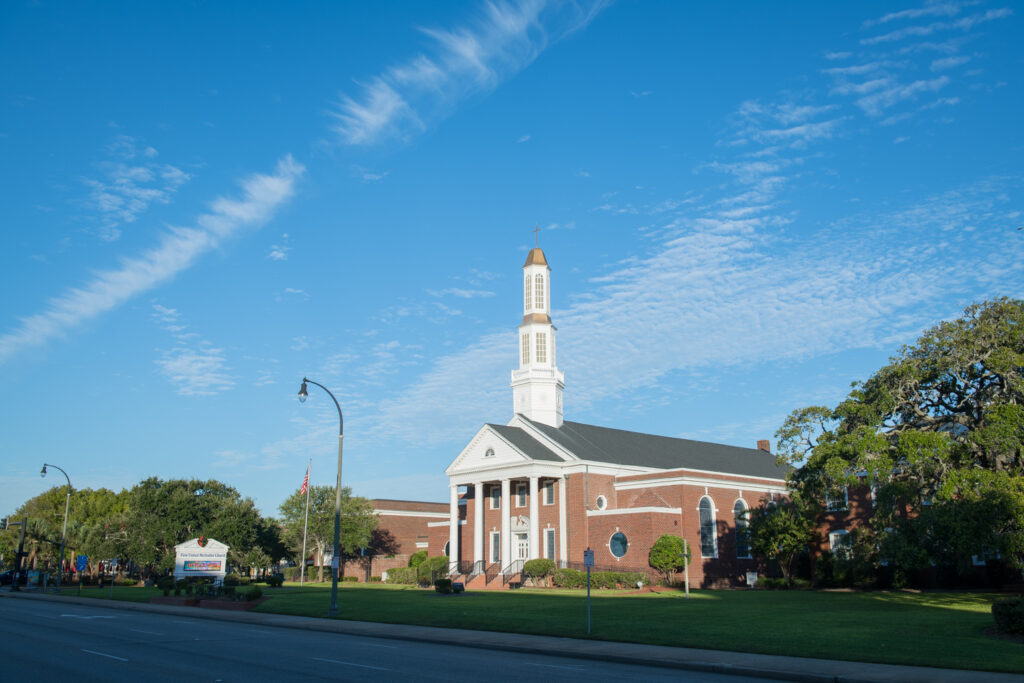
x,y
341,418
46,464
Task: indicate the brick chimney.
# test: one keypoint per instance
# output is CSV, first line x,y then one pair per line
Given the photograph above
x,y
764,445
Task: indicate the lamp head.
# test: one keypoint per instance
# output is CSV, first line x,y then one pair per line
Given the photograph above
x,y
303,394
43,472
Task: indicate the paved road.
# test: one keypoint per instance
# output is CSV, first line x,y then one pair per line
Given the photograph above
x,y
50,641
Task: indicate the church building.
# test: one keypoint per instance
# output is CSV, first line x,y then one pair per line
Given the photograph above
x,y
543,486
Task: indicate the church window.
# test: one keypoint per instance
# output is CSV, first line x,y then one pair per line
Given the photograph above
x,y
708,540
840,543
538,292
836,499
542,347
446,547
526,349
495,546
549,544
602,502
521,495
495,497
527,291
549,492
489,453
739,511
618,544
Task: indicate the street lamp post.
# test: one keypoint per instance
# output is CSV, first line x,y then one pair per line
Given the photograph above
x,y
64,531
303,395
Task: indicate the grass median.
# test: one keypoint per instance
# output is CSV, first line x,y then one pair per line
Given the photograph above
x,y
924,629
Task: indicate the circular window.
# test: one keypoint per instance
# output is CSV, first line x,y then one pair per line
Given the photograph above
x,y
489,453
619,544
602,502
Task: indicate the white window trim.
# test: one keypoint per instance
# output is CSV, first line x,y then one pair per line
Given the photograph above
x,y
836,534
521,494
746,508
601,502
609,545
549,543
495,549
548,489
714,528
846,502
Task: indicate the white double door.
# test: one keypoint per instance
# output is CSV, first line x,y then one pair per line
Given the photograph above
x,y
522,543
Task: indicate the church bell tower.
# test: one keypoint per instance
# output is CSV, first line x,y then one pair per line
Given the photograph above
x,y
537,385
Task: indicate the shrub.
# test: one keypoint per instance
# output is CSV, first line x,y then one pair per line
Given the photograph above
x,y
229,590
275,580
375,579
431,569
165,583
539,569
402,575
770,584
1009,615
236,580
416,559
443,585
569,578
252,593
350,579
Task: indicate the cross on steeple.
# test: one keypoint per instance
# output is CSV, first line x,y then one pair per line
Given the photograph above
x,y
536,240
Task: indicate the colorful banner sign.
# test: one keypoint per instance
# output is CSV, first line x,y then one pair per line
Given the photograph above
x,y
202,565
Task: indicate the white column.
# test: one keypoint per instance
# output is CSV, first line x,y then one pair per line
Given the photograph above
x,y
478,523
453,527
563,522
506,523
534,520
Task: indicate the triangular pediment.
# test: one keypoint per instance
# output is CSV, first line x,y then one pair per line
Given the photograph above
x,y
486,449
210,544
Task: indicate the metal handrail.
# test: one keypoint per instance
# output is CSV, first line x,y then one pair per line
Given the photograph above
x,y
513,569
492,572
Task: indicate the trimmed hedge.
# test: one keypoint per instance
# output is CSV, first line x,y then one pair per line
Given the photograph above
x,y
374,579
431,568
574,578
349,579
1009,615
416,559
539,568
252,593
403,575
275,580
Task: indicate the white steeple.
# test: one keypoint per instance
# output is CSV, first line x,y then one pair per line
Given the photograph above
x,y
537,385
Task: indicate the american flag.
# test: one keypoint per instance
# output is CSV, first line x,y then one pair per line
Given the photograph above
x,y
305,482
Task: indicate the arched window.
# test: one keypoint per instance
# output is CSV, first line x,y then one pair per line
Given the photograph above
x,y
739,512
527,291
538,292
446,546
708,540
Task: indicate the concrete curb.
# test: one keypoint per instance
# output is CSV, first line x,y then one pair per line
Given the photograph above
x,y
804,670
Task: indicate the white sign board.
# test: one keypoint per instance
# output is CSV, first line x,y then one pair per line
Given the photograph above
x,y
192,559
751,579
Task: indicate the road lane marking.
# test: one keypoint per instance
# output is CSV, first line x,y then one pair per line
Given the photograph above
x,y
551,666
361,666
104,654
139,630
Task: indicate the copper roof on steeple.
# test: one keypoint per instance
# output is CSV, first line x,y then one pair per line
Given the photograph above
x,y
535,258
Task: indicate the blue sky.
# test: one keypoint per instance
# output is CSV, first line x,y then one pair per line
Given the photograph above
x,y
745,207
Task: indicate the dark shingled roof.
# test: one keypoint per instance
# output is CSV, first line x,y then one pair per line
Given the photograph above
x,y
620,447
525,443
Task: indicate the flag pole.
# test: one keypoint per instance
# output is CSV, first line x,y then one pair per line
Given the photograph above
x,y
305,526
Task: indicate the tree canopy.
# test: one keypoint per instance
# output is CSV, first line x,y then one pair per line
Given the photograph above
x,y
939,433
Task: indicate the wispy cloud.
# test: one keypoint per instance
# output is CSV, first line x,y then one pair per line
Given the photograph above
x,y
461,293
279,252
193,365
405,99
177,250
131,180
523,138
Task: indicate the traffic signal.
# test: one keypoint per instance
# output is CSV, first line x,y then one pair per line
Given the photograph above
x,y
3,523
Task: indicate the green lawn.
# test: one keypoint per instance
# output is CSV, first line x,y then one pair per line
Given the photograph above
x,y
926,629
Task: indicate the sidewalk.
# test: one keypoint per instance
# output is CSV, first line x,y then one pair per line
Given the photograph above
x,y
716,661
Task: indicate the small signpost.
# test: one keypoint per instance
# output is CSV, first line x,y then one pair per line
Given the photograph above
x,y
588,562
80,564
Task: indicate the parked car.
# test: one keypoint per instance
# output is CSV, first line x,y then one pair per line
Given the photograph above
x,y
7,578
